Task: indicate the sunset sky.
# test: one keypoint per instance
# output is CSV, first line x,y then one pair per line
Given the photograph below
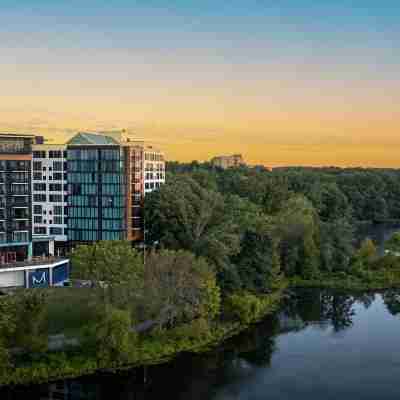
x,y
285,82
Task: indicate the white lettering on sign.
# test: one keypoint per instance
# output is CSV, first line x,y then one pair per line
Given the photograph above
x,y
39,281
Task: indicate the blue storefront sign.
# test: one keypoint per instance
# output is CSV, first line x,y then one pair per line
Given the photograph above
x,y
39,278
61,273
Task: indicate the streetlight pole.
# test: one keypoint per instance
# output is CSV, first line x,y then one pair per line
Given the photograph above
x,y
144,241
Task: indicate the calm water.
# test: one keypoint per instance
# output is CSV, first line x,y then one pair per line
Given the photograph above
x,y
321,345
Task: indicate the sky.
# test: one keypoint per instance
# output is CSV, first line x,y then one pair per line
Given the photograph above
x,y
284,82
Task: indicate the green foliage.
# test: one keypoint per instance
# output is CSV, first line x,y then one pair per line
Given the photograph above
x,y
245,307
179,287
185,215
31,326
365,255
297,227
393,244
110,337
8,318
113,262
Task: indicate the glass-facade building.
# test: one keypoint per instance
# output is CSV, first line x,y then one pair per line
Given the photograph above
x,y
96,193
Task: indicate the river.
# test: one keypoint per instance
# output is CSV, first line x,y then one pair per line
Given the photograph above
x,y
320,345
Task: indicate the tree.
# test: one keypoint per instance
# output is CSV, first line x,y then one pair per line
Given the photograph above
x,y
8,325
114,262
179,288
337,239
366,254
297,228
393,244
184,215
31,326
111,336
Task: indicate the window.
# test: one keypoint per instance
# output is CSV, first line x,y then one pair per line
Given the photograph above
x,y
39,198
37,209
37,219
75,188
56,198
20,236
20,189
39,187
92,201
58,210
55,154
37,176
39,230
55,187
39,154
37,165
58,165
57,176
56,231
57,220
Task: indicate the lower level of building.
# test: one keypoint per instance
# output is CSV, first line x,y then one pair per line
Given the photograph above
x,y
35,273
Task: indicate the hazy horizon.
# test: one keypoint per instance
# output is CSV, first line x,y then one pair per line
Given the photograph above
x,y
307,84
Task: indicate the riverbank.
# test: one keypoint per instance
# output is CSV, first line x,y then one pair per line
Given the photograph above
x,y
155,349
376,281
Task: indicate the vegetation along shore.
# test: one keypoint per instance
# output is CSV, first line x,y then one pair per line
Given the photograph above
x,y
221,247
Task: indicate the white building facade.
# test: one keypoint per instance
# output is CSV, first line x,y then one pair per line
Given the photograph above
x,y
49,196
154,169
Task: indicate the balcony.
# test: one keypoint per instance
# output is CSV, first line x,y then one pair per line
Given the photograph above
x,y
20,177
21,189
20,226
20,237
22,201
20,213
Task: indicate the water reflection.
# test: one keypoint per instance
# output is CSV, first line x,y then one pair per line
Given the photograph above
x,y
320,344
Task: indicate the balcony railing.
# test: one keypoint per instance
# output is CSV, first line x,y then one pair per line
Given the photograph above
x,y
20,237
19,189
20,226
36,261
19,202
20,213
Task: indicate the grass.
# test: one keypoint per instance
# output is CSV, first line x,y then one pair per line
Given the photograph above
x,y
68,309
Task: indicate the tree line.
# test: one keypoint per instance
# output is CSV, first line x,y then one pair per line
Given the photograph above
x,y
256,227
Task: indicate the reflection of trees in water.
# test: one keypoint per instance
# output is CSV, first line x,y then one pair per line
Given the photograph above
x,y
325,307
197,377
392,301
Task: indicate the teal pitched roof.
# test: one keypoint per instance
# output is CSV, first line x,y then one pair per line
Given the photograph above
x,y
84,138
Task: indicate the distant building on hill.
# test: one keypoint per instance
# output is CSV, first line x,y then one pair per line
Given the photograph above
x,y
233,161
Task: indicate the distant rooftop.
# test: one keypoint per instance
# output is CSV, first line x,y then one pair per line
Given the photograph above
x,y
17,135
86,138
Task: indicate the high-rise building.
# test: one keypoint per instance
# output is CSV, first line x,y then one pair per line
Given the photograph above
x,y
108,176
15,196
49,197
18,267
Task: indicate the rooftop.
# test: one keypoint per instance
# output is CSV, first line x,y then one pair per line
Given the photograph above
x,y
17,135
88,138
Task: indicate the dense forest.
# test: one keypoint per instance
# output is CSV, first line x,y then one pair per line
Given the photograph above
x,y
256,226
221,246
